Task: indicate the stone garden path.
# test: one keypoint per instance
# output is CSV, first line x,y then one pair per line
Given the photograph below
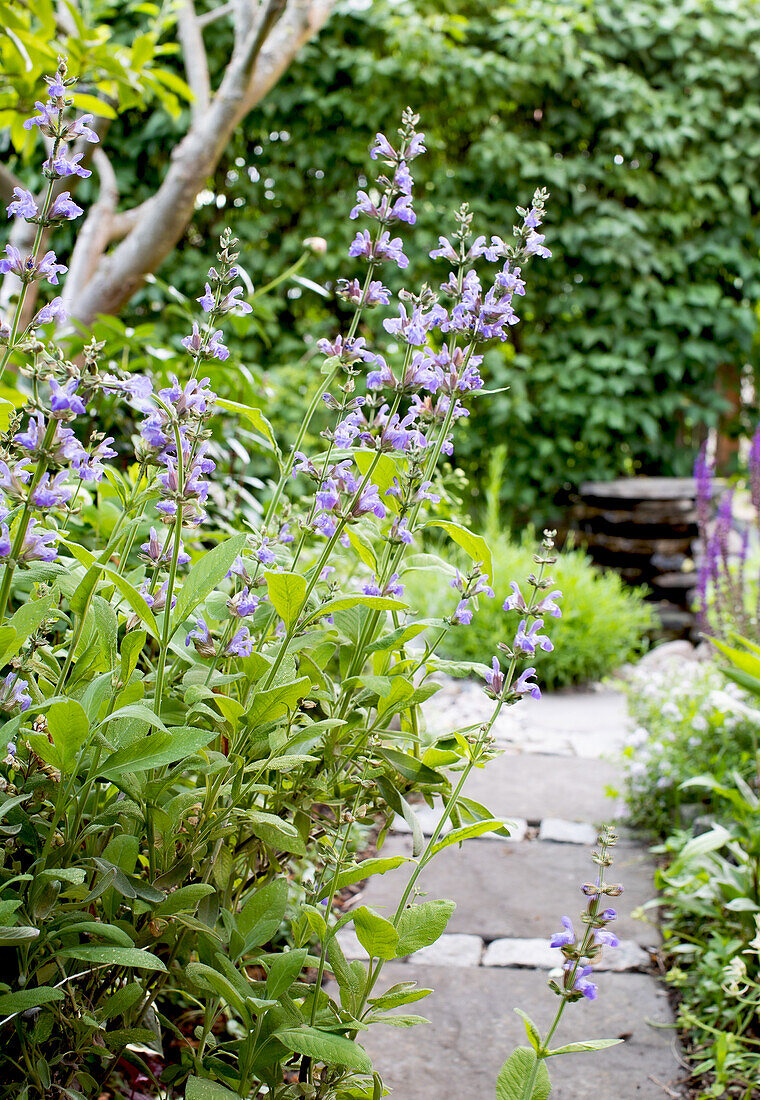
x,y
553,781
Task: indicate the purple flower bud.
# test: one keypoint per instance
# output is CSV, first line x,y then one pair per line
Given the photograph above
x,y
53,311
64,207
524,686
494,678
62,166
23,205
463,613
13,694
64,401
581,981
527,638
241,644
566,938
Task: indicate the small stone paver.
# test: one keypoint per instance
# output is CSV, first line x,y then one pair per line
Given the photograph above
x,y
534,786
457,949
474,1030
504,889
537,953
582,723
567,832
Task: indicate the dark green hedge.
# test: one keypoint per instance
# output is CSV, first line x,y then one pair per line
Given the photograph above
x,y
641,116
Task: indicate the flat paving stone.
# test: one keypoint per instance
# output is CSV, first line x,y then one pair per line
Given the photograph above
x,y
581,723
504,889
473,1030
536,953
535,786
567,832
457,949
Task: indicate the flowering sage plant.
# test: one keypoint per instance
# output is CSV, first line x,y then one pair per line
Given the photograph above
x,y
199,722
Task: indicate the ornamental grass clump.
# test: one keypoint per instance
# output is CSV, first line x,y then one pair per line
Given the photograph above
x,y
196,721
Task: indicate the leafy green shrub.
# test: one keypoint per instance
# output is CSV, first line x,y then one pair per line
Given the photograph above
x,y
693,779
603,624
711,923
689,722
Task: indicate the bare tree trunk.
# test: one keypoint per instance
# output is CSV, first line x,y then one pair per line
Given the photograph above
x,y
261,55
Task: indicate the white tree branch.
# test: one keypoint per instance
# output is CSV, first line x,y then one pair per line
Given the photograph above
x,y
194,56
212,16
256,65
95,234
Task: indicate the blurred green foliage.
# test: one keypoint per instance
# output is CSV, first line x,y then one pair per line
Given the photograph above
x,y
603,623
640,116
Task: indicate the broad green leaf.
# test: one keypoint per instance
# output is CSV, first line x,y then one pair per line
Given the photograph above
x,y
131,648
208,978
403,634
385,470
377,935
284,971
156,751
134,957
255,417
17,934
466,832
135,600
344,603
6,412
534,1035
700,845
421,925
198,1088
30,617
363,548
120,1001
475,546
68,726
184,900
287,591
92,104
376,866
24,999
262,914
10,643
205,575
276,832
273,703
139,711
324,1046
515,1074
107,627
748,663
586,1045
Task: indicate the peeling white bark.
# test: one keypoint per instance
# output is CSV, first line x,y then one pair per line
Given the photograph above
x,y
274,33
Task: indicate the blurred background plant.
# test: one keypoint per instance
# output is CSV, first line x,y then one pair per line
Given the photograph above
x,y
604,624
